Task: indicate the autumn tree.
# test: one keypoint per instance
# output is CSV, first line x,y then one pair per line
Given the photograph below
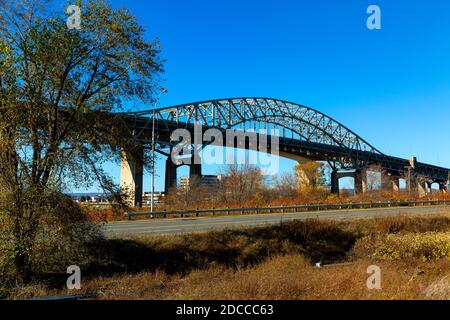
x,y
58,88
241,183
197,195
286,185
310,176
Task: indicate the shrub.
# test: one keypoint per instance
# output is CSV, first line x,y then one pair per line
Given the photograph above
x,y
425,246
61,238
405,224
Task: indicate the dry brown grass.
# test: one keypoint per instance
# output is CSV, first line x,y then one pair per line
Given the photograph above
x,y
439,289
293,277
275,262
289,277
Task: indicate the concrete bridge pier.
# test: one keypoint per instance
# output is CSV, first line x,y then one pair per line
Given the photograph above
x,y
171,175
395,183
195,174
360,181
429,186
334,182
390,182
132,175
359,176
416,187
443,187
195,167
422,188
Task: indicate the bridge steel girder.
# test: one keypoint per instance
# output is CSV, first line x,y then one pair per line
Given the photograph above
x,y
306,132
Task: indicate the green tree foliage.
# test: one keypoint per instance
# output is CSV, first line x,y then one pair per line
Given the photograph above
x,y
57,87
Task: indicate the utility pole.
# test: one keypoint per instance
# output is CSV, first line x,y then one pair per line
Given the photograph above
x,y
164,91
409,178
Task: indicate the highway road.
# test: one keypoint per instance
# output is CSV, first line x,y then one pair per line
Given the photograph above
x,y
154,227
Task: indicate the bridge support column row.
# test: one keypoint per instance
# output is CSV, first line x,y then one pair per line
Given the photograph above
x,y
389,181
443,187
195,173
359,176
132,175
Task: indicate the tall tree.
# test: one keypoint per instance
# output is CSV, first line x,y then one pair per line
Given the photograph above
x,y
310,176
241,183
57,88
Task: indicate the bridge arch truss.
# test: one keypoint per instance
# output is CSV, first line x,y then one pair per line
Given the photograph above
x,y
301,128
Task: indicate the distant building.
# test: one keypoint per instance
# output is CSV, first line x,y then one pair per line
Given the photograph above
x,y
210,181
184,183
158,197
90,198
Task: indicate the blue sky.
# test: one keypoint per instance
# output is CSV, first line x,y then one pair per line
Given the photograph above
x,y
391,86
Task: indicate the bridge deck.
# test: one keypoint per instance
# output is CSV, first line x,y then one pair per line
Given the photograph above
x,y
312,150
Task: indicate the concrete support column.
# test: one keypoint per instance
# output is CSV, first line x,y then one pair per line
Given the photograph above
x,y
195,168
421,188
334,182
171,175
429,188
443,187
395,183
360,181
195,174
390,182
386,180
132,175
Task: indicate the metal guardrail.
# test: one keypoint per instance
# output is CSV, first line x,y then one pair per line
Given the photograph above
x,y
283,209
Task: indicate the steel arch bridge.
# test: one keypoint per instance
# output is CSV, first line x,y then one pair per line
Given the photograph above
x,y
304,122
304,132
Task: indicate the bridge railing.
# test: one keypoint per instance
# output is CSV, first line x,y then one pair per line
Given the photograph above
x,y
285,209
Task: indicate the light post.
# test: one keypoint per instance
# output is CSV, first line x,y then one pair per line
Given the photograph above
x,y
163,91
409,178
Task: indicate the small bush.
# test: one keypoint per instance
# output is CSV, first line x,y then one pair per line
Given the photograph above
x,y
62,233
406,224
425,246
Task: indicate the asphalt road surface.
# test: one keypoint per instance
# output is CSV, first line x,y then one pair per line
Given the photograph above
x,y
154,227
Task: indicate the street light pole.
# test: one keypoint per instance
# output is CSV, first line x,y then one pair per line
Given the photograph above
x,y
153,149
409,178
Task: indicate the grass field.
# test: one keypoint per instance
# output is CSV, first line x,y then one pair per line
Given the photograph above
x,y
276,262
